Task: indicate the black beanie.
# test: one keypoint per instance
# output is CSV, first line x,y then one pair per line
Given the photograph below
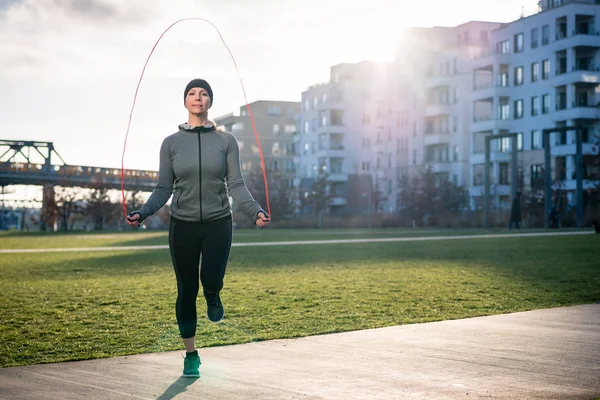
x,y
199,83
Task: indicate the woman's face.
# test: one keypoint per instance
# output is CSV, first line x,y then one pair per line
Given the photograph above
x,y
197,101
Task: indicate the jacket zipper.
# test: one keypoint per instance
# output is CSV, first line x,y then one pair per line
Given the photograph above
x,y
200,170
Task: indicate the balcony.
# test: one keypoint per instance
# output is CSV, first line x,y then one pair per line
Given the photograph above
x,y
340,129
332,152
436,137
489,91
578,40
434,81
432,110
576,112
440,167
487,123
582,75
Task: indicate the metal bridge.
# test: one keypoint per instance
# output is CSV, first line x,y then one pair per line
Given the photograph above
x,y
18,168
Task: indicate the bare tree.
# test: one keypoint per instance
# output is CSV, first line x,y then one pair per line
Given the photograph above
x,y
68,204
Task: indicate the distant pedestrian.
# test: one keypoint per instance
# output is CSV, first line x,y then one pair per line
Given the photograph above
x,y
199,166
553,217
515,212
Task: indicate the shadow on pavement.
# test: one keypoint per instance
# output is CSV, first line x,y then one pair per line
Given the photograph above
x,y
177,387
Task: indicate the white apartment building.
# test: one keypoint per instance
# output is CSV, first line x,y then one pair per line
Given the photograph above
x,y
434,81
338,124
541,72
449,88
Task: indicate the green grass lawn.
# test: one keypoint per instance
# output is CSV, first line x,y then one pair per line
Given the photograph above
x,y
80,305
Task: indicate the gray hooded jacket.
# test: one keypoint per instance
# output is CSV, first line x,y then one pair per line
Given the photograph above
x,y
200,166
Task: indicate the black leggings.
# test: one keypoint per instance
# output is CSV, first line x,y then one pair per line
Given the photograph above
x,y
187,242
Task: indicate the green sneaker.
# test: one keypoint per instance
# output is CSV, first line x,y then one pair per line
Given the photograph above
x,y
191,365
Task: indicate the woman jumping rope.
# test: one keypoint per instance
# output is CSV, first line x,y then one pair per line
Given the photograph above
x,y
200,167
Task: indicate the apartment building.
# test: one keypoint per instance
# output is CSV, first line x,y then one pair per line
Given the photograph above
x,y
338,124
275,125
434,81
540,72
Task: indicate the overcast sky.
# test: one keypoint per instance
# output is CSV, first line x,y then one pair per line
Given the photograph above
x,y
69,68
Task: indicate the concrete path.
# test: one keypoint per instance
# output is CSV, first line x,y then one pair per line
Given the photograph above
x,y
307,242
543,354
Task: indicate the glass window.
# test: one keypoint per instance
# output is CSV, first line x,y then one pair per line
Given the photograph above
x,y
503,47
545,104
519,42
545,69
545,35
518,109
535,105
237,127
504,111
518,76
289,128
536,139
535,32
275,129
535,71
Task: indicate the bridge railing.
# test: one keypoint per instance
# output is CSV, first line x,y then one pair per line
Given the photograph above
x,y
78,172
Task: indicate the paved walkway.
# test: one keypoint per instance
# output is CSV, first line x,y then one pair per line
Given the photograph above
x,y
308,242
542,354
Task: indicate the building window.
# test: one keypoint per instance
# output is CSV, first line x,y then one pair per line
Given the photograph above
x,y
504,145
274,110
519,42
455,153
535,32
504,112
503,47
454,124
365,166
545,104
518,76
289,129
535,105
518,109
545,69
535,71
275,129
324,98
503,79
545,35
306,105
306,126
337,117
520,141
315,101
237,127
503,178
536,140
537,172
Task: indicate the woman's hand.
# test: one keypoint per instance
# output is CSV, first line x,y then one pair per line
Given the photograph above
x,y
133,219
262,220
